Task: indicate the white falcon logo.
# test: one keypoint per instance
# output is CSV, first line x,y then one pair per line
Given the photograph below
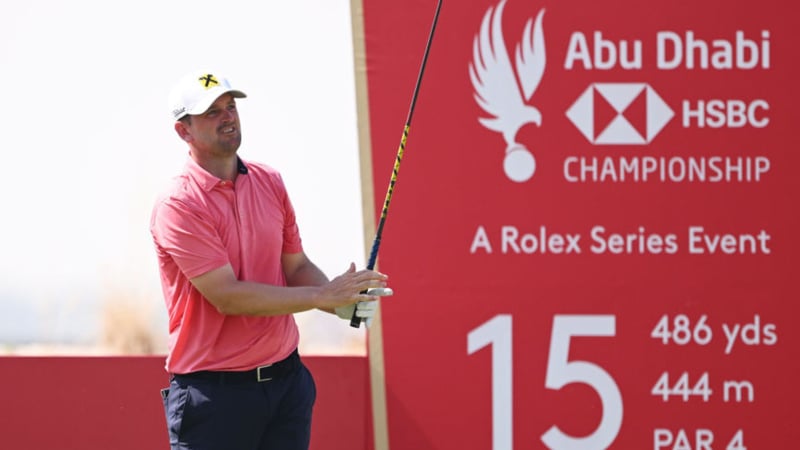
x,y
503,92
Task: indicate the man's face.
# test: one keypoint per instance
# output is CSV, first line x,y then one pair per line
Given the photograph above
x,y
216,132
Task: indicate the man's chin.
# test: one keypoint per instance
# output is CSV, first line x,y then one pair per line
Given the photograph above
x,y
231,145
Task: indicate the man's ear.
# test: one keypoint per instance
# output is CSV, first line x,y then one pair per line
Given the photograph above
x,y
183,131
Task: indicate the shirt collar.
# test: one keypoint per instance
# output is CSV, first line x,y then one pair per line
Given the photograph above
x,y
241,166
204,178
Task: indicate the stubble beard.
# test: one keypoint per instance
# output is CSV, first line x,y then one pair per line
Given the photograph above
x,y
230,144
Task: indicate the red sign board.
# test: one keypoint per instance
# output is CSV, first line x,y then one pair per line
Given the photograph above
x,y
591,239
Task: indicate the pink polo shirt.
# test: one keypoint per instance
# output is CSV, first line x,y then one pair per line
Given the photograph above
x,y
202,223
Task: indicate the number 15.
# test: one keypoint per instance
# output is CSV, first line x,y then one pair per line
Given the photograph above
x,y
560,372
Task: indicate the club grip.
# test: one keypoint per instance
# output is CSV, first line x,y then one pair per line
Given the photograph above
x,y
355,321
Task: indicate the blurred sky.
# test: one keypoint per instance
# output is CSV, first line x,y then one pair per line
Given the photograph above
x,y
89,143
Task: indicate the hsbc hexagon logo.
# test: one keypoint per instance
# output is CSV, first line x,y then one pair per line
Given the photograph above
x,y
619,113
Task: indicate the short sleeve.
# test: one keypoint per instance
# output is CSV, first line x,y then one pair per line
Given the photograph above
x,y
189,238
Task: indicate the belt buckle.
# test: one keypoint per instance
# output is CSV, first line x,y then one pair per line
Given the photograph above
x,y
258,374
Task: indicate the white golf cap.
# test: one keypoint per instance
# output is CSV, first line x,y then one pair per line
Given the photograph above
x,y
197,91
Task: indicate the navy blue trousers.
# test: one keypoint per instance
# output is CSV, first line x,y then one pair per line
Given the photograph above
x,y
235,415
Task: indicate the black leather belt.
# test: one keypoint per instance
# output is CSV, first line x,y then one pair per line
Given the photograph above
x,y
257,375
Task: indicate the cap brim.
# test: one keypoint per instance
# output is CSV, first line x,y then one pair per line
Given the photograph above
x,y
202,106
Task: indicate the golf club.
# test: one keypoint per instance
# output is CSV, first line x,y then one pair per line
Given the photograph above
x,y
355,322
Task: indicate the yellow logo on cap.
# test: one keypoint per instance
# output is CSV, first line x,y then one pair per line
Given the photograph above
x,y
208,81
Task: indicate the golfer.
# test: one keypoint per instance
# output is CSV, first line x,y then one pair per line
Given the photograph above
x,y
233,271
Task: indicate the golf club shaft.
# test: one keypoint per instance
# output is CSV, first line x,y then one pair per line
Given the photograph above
x,y
355,321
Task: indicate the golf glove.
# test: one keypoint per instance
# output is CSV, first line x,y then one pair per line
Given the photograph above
x,y
364,310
